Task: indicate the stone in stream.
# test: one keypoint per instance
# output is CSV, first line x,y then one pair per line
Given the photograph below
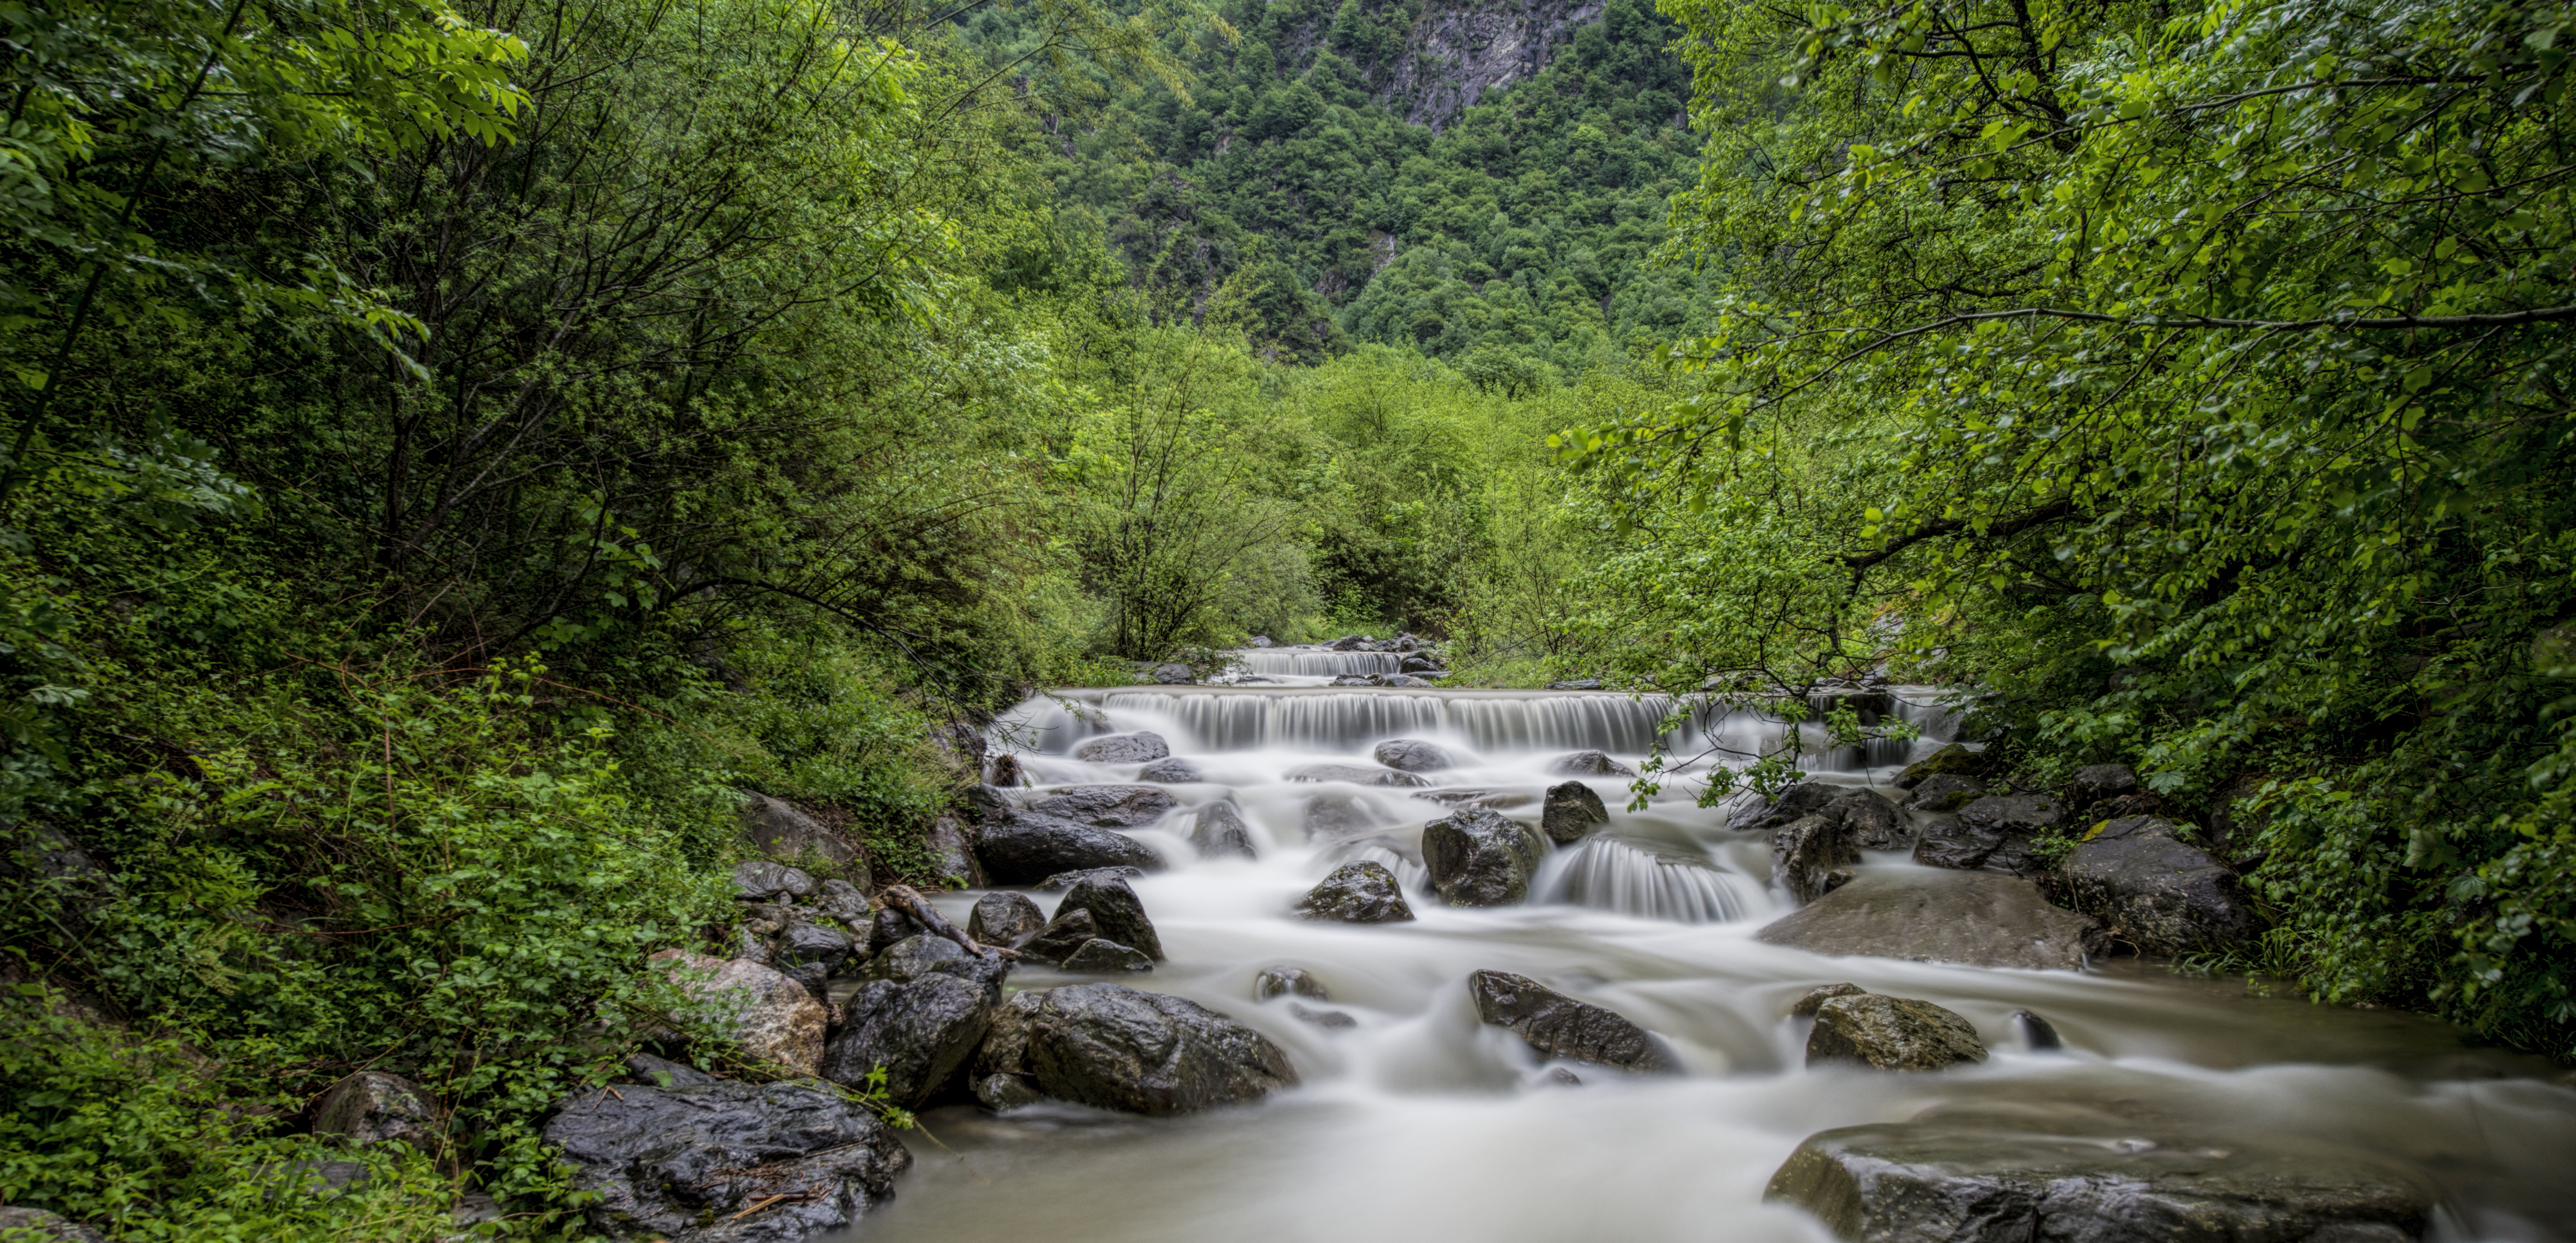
x,y
1812,856
677,1163
1025,847
1943,792
1355,774
1067,932
1422,665
1493,800
2159,893
917,957
1589,764
1976,918
761,878
1117,914
1112,1047
1141,747
43,1225
1099,957
1572,810
1875,823
989,804
1477,858
372,1107
1413,755
1330,1019
1218,831
1559,1026
1107,806
998,1075
781,831
1004,918
1819,995
1066,880
1332,815
921,1031
1172,771
1357,893
1995,833
2037,1034
1954,760
889,926
775,1019
1891,1033
1803,799
1284,981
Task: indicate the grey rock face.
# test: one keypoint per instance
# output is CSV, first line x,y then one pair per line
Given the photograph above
x,y
1874,822
1219,831
1559,1026
774,1018
760,878
1803,799
1141,747
1413,755
1955,760
1571,811
1025,847
1943,792
1004,918
1891,1033
922,1032
1112,1047
2159,893
2095,782
1107,806
1589,764
1173,771
1812,856
952,854
675,1163
48,1225
1975,918
1994,832
783,832
1284,981
372,1107
1116,913
1099,957
1477,858
1355,774
1819,995
1357,893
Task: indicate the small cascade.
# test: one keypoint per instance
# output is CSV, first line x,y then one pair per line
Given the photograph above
x,y
1295,662
1611,875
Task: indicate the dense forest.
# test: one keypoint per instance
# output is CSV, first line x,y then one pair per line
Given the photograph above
x,y
456,451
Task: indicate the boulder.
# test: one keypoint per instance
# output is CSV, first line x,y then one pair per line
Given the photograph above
x,y
664,1073
372,1107
840,900
1116,913
1589,764
2158,892
806,942
1576,684
1350,679
999,1074
1067,932
1173,673
1141,747
914,957
783,832
2037,1034
889,926
1218,831
1005,771
1357,893
1943,792
921,1031
952,855
1171,771
1819,995
2095,782
1287,981
1348,643
760,878
1026,847
1112,1047
1478,858
1891,1033
1955,760
1107,806
1976,918
1062,881
1333,815
1099,957
1413,755
774,1019
1559,1026
1995,832
1496,800
1571,811
1258,640
1803,799
44,1225
1355,774
1328,1019
1004,918
1419,664
989,804
682,1163
1812,856
1874,822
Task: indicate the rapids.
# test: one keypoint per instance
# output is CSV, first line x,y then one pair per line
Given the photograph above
x,y
1422,1126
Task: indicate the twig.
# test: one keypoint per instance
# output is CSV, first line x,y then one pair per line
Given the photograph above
x,y
908,900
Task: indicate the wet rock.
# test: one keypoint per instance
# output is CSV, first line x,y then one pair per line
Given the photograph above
x,y
1141,747
1005,1048
1994,832
783,832
1062,881
1350,679
2095,782
889,927
1559,1026
1004,918
1812,856
1943,792
1422,665
1173,771
1286,981
1355,774
1348,643
1101,957
760,878
806,942
664,1073
1874,822
1106,806
921,1031
1955,760
1112,1047
952,855
2037,1034
44,1225
1571,811
1891,1033
372,1107
1477,858
1067,932
914,957
778,1021
816,980
1413,755
1333,815
1357,893
1803,799
1005,771
2159,893
1576,684
840,900
678,1163
988,804
1402,679
1330,1019
1819,995
1589,764
1116,912
1976,918
1218,831
1001,1092
1026,847
1493,800
751,943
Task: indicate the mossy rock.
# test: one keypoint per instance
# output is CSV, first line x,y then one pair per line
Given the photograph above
x,y
1955,760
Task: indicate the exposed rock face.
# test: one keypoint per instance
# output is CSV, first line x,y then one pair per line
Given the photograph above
x,y
1955,760
1219,831
1478,858
1113,1047
1004,918
1141,747
2095,782
1025,847
783,832
1589,764
1819,995
922,1032
1357,893
1571,811
1107,807
952,854
1173,771
1355,774
1812,856
1413,755
1943,792
372,1107
1116,912
760,878
2158,892
1891,1033
1994,832
1975,918
677,1163
1283,981
1559,1026
48,1225
1803,799
1874,822
775,1019
1099,957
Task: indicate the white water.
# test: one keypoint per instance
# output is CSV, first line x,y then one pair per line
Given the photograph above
x,y
1421,1125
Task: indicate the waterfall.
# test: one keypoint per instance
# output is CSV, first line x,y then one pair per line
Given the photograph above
x,y
1608,874
1315,663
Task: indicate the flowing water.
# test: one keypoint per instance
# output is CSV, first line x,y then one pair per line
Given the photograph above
x,y
1421,1125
